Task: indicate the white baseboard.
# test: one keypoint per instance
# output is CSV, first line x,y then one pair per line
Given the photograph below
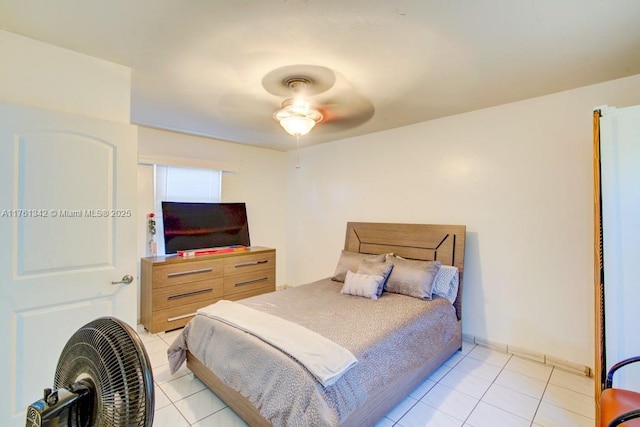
x,y
531,355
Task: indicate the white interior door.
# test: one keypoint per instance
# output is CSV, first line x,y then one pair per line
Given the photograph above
x,y
620,172
67,230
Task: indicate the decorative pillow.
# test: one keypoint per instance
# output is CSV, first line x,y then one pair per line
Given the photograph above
x,y
362,285
446,283
349,261
412,277
377,269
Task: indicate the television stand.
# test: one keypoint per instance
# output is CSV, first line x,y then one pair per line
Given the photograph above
x,y
173,288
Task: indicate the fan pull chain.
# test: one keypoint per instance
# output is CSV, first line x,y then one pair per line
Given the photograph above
x,y
297,151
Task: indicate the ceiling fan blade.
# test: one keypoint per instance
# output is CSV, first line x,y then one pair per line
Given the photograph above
x,y
344,112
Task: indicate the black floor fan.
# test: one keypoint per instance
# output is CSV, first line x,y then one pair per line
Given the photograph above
x,y
103,378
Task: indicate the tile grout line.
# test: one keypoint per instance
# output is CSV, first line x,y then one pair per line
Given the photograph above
x,y
397,423
172,403
439,381
565,409
542,397
485,392
457,363
502,369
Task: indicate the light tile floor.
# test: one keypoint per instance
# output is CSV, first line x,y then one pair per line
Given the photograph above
x,y
476,387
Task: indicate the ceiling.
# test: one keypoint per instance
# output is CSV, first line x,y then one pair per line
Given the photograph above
x,y
208,67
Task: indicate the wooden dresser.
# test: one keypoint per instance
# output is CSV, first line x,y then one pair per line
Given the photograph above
x,y
173,288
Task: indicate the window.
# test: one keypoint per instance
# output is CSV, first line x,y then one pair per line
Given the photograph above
x,y
182,184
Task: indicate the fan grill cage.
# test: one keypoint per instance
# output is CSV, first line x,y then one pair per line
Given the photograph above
x,y
109,353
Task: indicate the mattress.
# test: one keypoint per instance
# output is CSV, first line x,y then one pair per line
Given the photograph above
x,y
393,336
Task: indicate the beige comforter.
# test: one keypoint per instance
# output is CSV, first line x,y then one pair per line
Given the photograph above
x,y
390,337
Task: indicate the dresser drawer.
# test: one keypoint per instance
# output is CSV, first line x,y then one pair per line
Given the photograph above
x,y
249,281
176,273
249,263
203,292
173,288
175,317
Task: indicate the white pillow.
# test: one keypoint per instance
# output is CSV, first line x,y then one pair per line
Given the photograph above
x,y
445,284
362,285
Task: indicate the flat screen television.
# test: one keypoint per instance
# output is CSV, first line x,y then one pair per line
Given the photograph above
x,y
190,226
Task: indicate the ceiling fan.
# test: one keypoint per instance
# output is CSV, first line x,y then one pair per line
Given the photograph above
x,y
316,95
298,115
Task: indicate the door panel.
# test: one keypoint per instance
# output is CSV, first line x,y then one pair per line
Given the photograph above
x,y
67,230
31,372
620,157
70,210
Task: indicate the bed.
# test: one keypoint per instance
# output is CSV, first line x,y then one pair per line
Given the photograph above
x,y
398,340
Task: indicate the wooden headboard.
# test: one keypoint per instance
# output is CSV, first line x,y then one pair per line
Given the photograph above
x,y
429,242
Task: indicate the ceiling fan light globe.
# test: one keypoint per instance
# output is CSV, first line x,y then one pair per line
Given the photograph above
x,y
297,125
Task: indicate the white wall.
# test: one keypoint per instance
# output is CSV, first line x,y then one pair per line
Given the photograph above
x,y
257,177
519,176
45,76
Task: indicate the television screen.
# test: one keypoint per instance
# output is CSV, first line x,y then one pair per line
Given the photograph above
x,y
204,225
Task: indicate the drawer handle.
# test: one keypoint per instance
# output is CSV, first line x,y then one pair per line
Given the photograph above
x,y
186,273
250,282
190,294
184,316
250,263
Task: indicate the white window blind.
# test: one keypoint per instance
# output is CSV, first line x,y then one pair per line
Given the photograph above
x,y
183,184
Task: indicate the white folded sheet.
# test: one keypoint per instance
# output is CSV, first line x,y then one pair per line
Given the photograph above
x,y
325,359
